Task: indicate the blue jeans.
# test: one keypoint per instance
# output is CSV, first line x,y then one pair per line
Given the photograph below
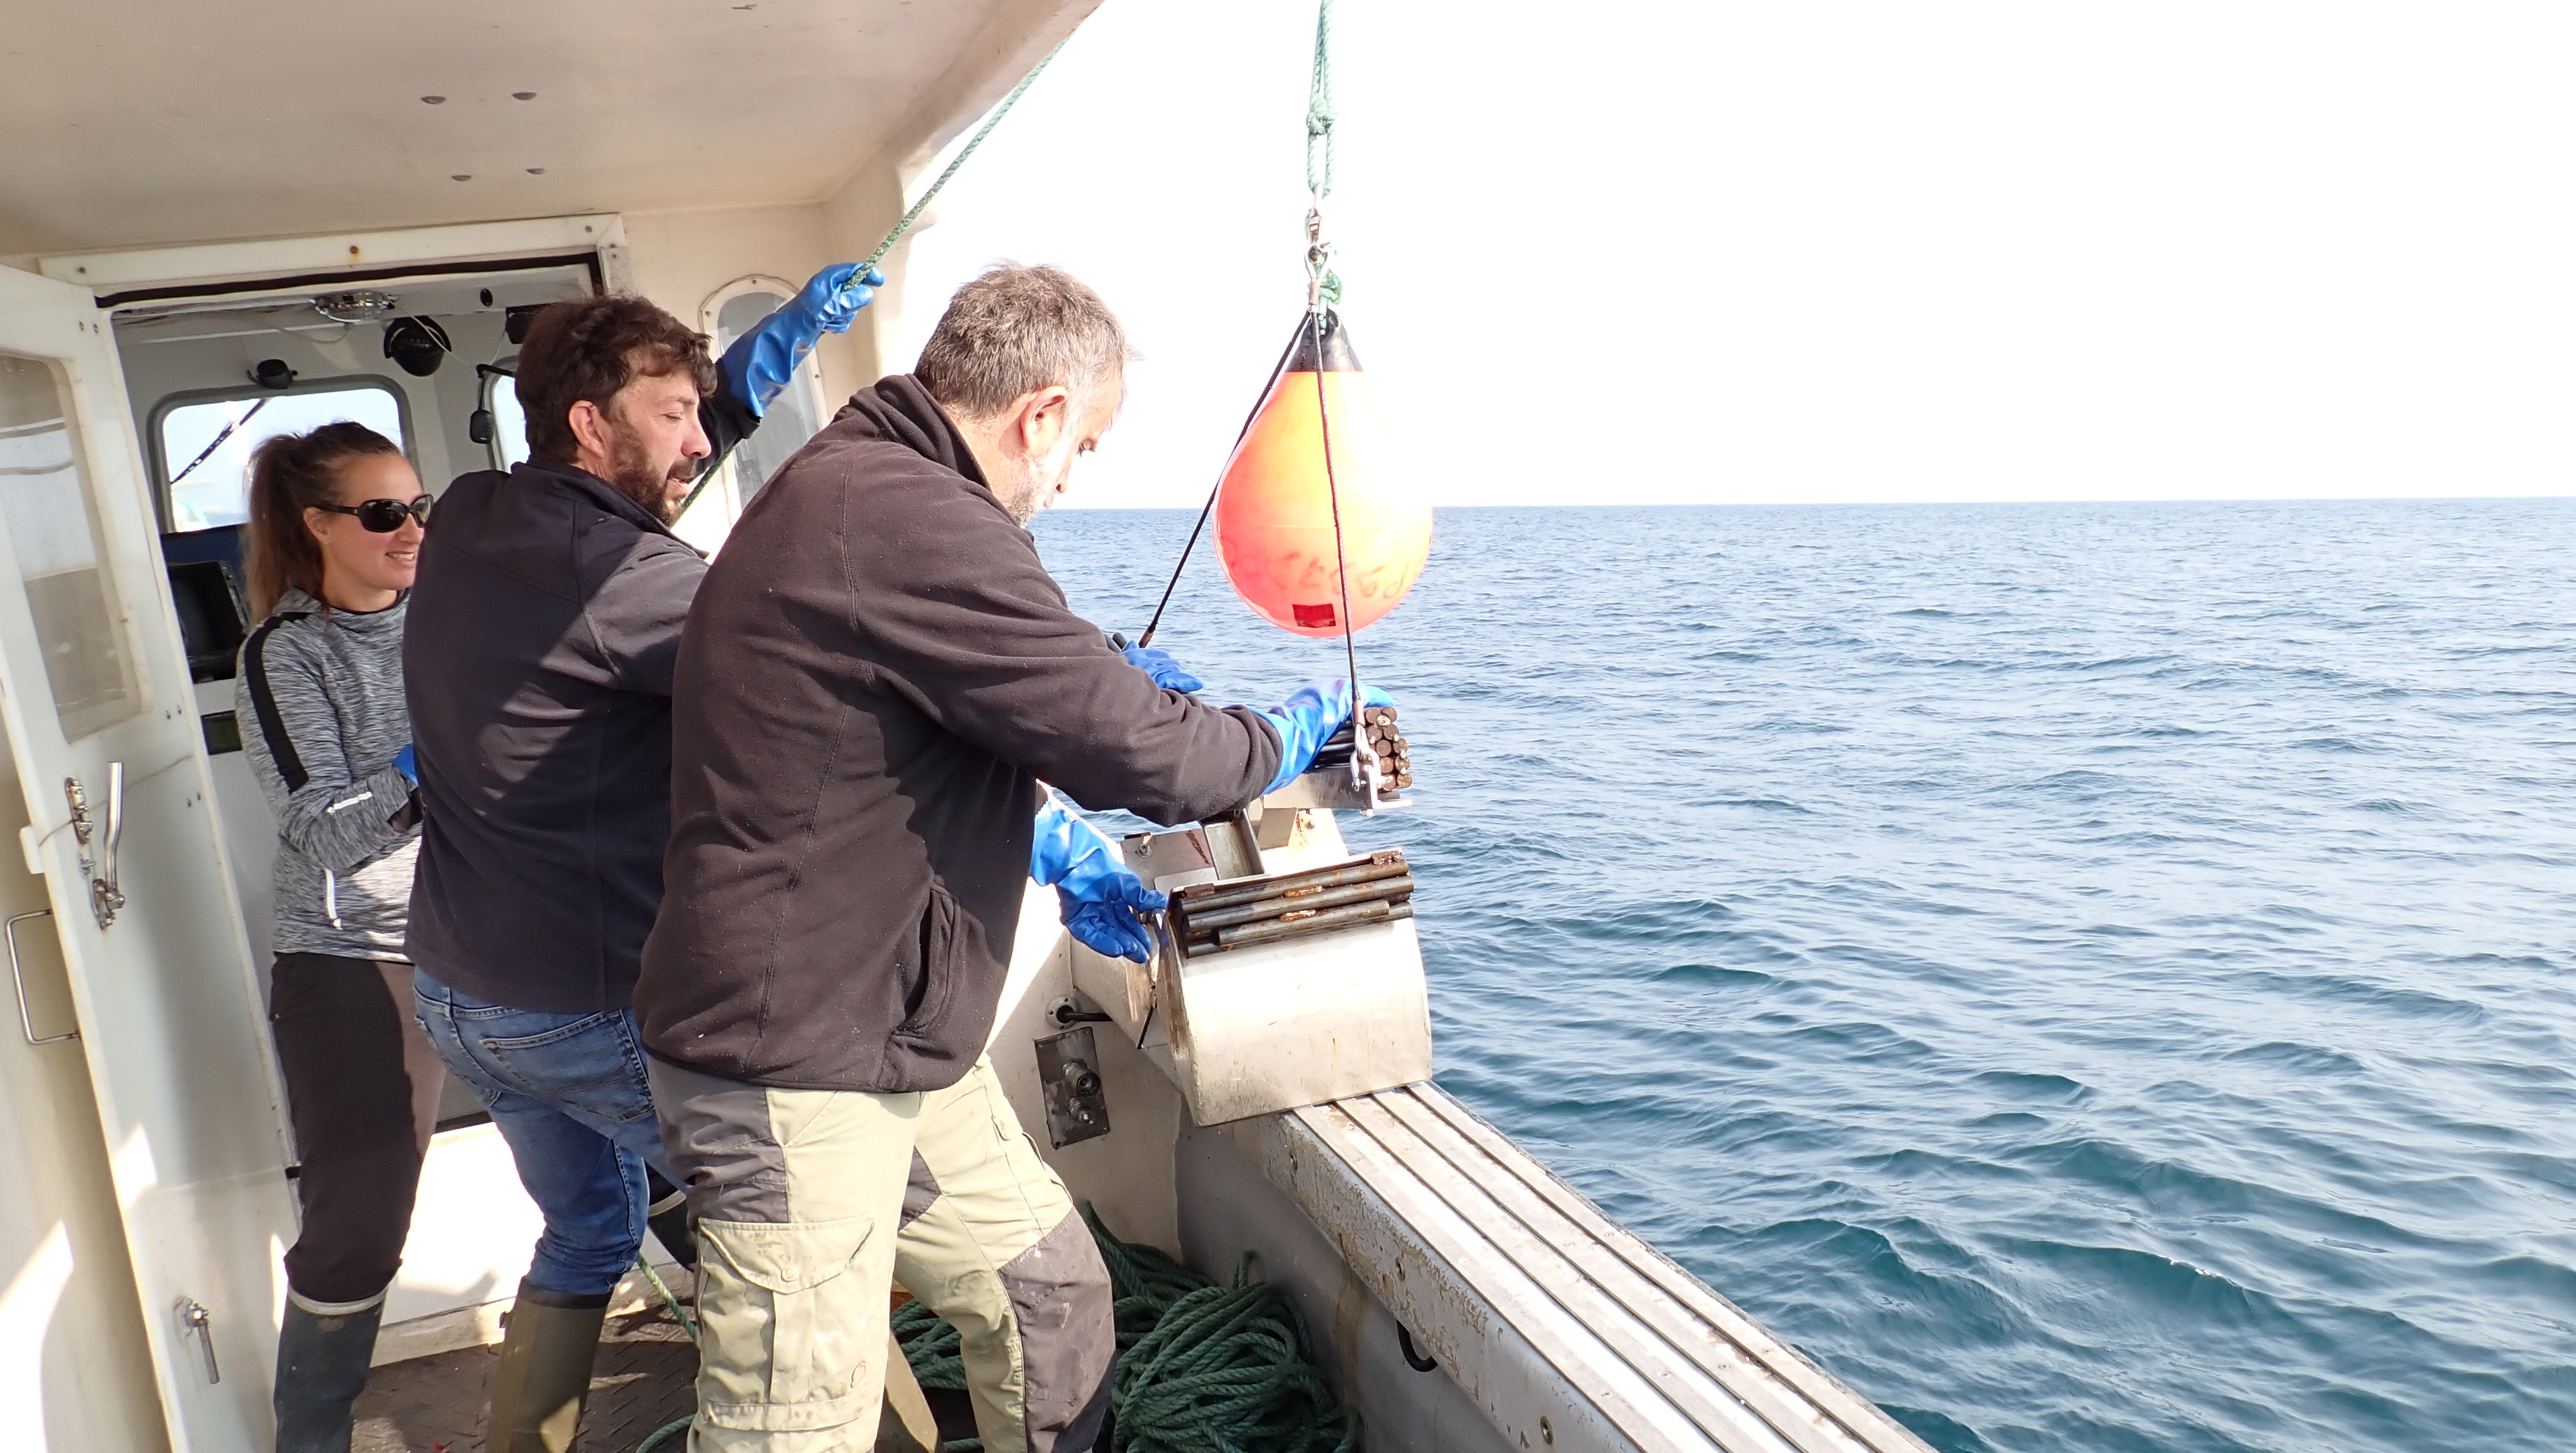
x,y
569,1095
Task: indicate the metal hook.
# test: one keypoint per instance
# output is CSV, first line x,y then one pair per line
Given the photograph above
x,y
1319,256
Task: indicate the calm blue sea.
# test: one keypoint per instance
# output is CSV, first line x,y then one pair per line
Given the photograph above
x,y
2097,977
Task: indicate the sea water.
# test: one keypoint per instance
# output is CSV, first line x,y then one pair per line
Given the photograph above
x,y
2096,977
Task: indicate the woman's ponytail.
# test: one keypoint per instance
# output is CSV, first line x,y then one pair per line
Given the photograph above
x,y
290,474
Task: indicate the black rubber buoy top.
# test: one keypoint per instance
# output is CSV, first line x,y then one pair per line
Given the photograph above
x,y
1336,353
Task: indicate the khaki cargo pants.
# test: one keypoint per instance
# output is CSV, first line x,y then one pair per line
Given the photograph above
x,y
810,1201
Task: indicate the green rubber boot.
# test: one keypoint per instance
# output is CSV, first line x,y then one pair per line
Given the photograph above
x,y
543,1382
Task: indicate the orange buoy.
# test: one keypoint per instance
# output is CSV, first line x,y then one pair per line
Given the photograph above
x,y
1274,508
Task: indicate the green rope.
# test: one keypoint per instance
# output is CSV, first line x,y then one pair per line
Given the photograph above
x,y
688,1324
1319,106
665,1433
707,476
931,1346
1319,152
1200,1366
990,122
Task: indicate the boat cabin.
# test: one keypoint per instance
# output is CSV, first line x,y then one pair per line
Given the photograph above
x,y
216,227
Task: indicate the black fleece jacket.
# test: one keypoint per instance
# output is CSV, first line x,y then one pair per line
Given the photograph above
x,y
876,674
538,663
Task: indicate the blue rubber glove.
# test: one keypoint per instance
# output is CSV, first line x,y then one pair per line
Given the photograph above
x,y
1099,897
1166,669
407,762
1307,718
761,361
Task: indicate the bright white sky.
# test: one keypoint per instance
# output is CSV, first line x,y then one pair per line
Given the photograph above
x,y
1855,250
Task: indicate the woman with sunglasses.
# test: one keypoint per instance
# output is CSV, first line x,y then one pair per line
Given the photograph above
x,y
334,539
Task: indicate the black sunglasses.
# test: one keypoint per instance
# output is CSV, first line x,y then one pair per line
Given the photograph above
x,y
384,516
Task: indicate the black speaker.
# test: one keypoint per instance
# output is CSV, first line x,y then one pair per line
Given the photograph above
x,y
418,344
515,321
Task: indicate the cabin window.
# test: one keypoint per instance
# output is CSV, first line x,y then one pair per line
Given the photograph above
x,y
509,442
203,442
793,416
46,498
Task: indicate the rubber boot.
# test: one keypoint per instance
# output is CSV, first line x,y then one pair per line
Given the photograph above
x,y
543,1382
321,1369
667,1212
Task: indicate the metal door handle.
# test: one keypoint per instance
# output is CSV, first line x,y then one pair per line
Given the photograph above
x,y
195,1319
108,890
26,1022
105,897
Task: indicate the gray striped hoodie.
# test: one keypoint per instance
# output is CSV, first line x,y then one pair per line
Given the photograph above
x,y
320,698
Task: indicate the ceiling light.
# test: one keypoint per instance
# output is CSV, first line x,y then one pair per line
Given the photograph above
x,y
363,306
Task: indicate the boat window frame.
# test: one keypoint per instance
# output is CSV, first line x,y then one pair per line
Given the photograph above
x,y
809,370
164,518
489,382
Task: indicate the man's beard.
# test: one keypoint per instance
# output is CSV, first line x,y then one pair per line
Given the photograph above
x,y
632,470
1026,505
1039,489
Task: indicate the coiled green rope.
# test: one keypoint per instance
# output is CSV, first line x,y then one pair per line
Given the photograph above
x,y
1200,1366
931,1346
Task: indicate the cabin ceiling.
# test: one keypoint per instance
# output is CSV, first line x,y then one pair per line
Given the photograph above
x,y
159,121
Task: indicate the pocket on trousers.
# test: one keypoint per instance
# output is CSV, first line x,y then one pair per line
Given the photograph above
x,y
295,992
786,1329
590,1064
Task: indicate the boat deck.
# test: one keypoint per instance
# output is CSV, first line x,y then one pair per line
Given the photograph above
x,y
643,1379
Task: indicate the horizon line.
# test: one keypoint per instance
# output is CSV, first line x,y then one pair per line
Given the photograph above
x,y
2299,499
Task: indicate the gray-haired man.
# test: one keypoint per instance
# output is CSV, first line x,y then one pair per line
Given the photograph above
x,y
875,676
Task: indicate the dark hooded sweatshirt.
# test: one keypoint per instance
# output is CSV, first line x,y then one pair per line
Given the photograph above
x,y
876,674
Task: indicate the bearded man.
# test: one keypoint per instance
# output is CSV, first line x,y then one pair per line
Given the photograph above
x,y
877,676
543,629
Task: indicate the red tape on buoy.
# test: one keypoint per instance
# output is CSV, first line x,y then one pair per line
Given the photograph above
x,y
1275,506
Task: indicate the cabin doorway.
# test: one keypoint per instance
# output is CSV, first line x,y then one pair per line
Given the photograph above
x,y
211,378
120,837
140,1275
429,361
